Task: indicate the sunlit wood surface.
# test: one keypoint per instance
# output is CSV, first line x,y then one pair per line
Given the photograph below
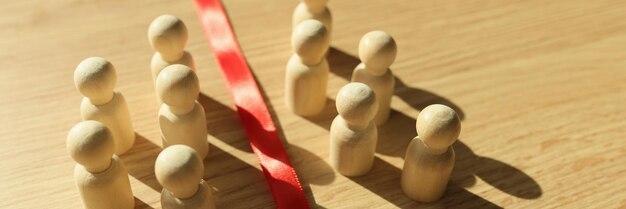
x,y
540,86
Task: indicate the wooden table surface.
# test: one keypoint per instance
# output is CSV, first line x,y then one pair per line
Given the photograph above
x,y
540,86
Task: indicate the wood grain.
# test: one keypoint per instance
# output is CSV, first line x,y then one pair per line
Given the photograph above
x,y
539,85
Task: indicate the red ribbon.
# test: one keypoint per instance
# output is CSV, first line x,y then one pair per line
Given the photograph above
x,y
261,131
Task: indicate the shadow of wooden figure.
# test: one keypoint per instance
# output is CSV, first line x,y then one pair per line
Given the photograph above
x,y
310,168
496,173
139,161
397,132
141,204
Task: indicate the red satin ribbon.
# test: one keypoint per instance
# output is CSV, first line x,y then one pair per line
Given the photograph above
x,y
257,121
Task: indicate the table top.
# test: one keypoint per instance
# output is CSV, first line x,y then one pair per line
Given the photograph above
x,y
539,86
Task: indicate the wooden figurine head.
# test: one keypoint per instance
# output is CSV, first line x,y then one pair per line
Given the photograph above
x,y
168,35
310,40
438,126
179,169
377,50
95,78
356,103
91,144
178,86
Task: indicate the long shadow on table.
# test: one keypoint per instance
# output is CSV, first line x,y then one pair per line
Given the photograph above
x,y
384,180
496,173
237,183
223,123
311,169
139,161
141,204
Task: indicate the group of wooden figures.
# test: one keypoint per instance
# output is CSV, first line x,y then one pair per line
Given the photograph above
x,y
106,130
364,104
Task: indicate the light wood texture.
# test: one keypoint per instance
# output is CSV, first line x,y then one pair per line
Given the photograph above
x,y
430,157
539,86
101,177
377,51
95,78
353,134
179,169
306,74
181,118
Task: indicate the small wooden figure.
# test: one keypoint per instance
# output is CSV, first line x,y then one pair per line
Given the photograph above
x,y
313,9
101,177
353,134
377,51
181,118
307,70
179,169
429,157
168,36
95,78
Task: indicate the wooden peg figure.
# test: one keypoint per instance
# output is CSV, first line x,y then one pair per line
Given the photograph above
x,y
168,36
353,134
181,118
429,157
95,78
377,51
179,169
101,177
313,9
307,70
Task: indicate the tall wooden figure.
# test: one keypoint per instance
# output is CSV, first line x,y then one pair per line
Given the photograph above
x,y
377,51
313,9
95,78
168,36
179,169
353,134
307,70
429,157
101,177
181,118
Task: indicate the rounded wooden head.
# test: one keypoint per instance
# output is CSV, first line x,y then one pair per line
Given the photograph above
x,y
377,50
178,85
91,144
438,126
95,78
356,103
179,169
315,6
168,35
310,41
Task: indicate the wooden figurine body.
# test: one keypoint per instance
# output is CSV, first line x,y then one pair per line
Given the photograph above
x,y
377,51
306,76
383,87
158,62
95,78
429,158
353,134
168,36
181,118
179,169
305,86
313,9
101,177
